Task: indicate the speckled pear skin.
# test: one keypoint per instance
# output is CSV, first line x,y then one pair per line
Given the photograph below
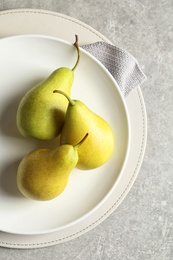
x,y
43,174
40,113
99,146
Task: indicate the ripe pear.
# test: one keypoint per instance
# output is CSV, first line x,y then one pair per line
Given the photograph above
x,y
43,174
99,145
41,114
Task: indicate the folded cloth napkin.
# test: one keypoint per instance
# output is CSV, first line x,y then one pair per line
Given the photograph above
x,y
121,64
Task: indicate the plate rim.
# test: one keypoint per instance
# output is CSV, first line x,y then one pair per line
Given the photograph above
x,y
10,241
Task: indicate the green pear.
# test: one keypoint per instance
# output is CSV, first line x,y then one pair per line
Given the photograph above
x,y
41,114
43,174
99,145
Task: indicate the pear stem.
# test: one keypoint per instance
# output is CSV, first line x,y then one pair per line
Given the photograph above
x,y
83,139
71,102
78,52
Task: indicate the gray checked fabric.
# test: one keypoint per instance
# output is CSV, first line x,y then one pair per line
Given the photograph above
x,y
121,64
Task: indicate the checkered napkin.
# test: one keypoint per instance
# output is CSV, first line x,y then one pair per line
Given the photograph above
x,y
121,64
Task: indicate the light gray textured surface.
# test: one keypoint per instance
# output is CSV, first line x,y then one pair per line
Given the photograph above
x,y
142,226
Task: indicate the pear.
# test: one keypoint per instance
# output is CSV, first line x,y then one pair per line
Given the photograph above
x,y
99,145
41,114
43,174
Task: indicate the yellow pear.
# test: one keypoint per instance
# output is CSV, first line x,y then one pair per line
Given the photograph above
x,y
41,114
43,174
99,145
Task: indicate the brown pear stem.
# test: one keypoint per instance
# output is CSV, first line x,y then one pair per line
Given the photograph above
x,y
71,102
78,52
83,139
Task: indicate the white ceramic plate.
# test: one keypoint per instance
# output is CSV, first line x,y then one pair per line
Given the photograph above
x,y
25,61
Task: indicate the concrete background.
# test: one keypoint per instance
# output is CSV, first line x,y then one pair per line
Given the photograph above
x,y
142,226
